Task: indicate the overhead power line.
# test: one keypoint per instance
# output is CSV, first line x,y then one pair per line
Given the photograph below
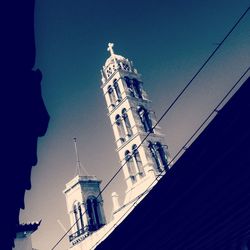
x,y
166,111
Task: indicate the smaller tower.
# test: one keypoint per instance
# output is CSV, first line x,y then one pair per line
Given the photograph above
x,y
84,203
85,206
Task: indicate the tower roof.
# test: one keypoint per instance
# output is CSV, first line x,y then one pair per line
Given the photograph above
x,y
114,57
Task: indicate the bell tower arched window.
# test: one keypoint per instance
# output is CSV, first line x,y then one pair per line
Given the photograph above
x,y
117,90
154,155
146,121
125,66
129,86
130,164
109,72
134,87
93,214
120,127
159,155
78,216
111,95
127,122
137,88
137,158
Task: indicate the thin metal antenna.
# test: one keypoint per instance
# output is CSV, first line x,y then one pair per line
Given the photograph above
x,y
62,226
78,163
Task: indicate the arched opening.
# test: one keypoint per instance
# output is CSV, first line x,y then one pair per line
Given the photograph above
x,y
159,155
154,155
127,122
120,128
117,90
146,121
137,88
76,217
111,95
96,212
109,72
137,158
125,66
129,84
93,210
130,165
80,214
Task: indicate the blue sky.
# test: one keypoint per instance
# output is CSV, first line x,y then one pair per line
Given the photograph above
x,y
167,41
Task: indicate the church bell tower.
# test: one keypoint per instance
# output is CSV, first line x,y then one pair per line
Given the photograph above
x,y
85,207
84,204
132,118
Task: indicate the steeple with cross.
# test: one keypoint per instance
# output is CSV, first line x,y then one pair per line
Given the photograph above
x,y
132,118
84,203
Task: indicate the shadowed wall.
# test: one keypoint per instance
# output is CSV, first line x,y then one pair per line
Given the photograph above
x,y
24,117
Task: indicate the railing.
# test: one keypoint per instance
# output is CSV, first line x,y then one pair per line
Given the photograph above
x,y
77,234
85,230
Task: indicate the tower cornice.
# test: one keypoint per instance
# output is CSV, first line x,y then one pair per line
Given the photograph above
x,y
122,73
79,179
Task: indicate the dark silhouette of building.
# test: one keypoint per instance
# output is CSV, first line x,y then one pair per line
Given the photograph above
x,y
23,235
24,117
203,201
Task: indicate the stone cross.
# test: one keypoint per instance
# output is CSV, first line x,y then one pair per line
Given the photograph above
x,y
110,48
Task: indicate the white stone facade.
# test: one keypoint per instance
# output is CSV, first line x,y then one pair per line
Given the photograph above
x,y
129,96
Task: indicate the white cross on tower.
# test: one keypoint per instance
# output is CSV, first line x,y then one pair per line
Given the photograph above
x,y
110,48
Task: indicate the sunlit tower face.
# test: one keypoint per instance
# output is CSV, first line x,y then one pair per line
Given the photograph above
x,y
132,118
